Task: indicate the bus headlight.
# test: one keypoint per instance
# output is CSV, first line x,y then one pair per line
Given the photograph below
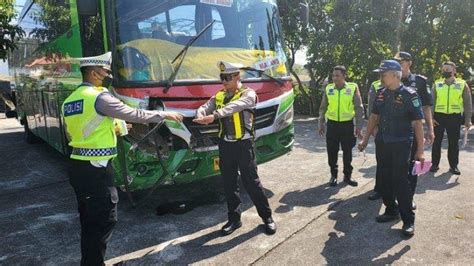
x,y
284,120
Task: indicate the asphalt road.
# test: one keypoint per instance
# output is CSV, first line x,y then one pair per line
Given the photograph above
x,y
39,224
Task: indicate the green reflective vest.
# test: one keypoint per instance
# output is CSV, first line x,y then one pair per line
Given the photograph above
x,y
92,136
340,102
232,127
449,97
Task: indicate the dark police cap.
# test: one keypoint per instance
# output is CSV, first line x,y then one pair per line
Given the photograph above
x,y
402,56
388,65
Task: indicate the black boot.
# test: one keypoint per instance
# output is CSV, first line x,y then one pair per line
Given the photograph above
x,y
230,227
387,217
333,181
351,182
454,171
270,226
408,230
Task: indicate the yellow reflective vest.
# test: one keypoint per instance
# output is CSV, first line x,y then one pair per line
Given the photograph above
x,y
92,136
233,127
377,85
340,102
449,97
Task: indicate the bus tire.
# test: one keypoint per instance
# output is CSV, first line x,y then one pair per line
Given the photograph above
x,y
29,136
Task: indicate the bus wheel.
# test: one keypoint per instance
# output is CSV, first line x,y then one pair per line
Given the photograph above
x,y
29,136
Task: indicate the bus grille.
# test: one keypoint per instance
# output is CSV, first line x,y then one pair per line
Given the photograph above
x,y
207,135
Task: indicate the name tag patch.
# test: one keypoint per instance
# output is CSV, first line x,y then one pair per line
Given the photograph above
x,y
74,108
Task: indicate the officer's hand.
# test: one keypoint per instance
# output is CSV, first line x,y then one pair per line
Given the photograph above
x,y
429,137
322,131
205,120
419,156
363,144
358,133
468,125
435,123
174,116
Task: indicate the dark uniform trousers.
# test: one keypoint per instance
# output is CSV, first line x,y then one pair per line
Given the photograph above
x,y
378,158
340,134
97,203
412,179
393,169
452,124
240,156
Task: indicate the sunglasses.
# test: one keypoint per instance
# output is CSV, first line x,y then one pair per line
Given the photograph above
x,y
227,77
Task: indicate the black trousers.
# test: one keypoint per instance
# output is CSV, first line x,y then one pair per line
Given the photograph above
x,y
393,169
340,134
97,204
412,179
240,156
378,158
452,124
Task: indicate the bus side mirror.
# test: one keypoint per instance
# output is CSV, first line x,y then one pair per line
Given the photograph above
x,y
304,14
87,7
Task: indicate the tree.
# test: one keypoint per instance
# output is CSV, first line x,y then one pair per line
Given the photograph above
x,y
9,33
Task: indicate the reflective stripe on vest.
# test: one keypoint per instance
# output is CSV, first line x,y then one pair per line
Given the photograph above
x,y
449,97
92,136
340,102
232,127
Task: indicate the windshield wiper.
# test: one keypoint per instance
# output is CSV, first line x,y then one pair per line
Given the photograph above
x,y
182,54
261,72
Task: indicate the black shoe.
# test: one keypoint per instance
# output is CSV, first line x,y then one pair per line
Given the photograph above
x,y
385,218
348,180
454,171
413,205
270,226
434,168
408,230
333,181
230,227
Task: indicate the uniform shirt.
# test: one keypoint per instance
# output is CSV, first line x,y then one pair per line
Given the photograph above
x,y
247,101
108,105
420,84
397,109
356,100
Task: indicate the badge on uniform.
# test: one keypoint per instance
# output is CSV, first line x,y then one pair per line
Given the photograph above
x,y
398,99
415,102
413,84
73,108
348,91
331,92
457,86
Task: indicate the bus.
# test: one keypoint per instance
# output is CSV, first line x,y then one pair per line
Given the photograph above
x,y
165,56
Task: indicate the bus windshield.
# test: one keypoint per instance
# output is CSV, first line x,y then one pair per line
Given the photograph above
x,y
149,35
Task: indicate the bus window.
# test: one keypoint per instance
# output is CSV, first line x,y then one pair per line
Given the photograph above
x,y
218,31
182,23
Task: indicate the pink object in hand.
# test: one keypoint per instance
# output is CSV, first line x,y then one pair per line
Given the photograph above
x,y
417,170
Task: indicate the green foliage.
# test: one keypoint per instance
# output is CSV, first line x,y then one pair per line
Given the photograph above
x,y
9,33
359,34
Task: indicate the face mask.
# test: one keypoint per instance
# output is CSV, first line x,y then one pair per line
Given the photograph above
x,y
446,74
107,81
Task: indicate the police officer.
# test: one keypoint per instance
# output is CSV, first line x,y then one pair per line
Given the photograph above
x,y
374,88
233,107
397,109
420,84
341,102
89,114
452,99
